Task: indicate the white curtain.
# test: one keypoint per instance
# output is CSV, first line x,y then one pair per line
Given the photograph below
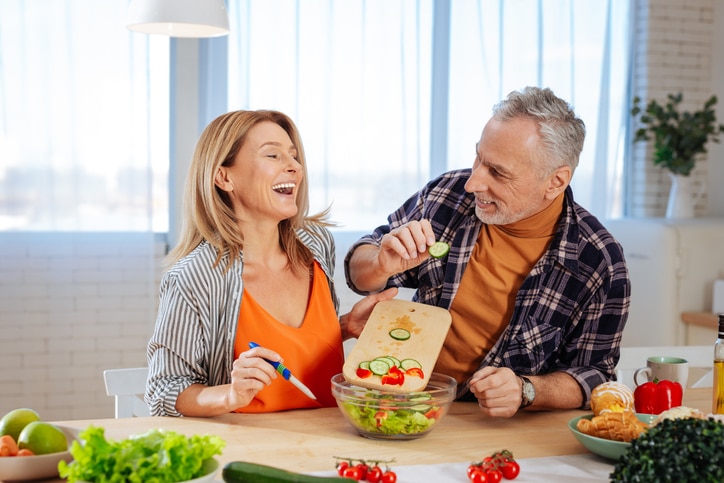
x,y
356,76
83,119
577,48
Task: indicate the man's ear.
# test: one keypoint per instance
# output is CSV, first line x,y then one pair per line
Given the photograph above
x,y
222,179
558,182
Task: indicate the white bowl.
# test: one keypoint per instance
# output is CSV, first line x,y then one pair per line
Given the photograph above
x,y
211,467
23,468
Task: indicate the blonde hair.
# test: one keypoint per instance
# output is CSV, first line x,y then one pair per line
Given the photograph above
x,y
208,212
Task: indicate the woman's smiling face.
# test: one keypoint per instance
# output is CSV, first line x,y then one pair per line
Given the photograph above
x,y
262,182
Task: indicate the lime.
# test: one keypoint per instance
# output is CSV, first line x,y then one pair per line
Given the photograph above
x,y
439,249
14,421
42,438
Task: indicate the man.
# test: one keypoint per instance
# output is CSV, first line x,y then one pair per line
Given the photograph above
x,y
537,288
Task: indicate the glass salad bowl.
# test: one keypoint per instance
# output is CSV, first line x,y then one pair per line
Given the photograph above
x,y
378,414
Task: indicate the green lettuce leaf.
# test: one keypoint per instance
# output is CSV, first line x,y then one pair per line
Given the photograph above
x,y
400,421
156,456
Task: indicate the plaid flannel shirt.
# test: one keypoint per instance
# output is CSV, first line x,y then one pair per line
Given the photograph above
x,y
572,307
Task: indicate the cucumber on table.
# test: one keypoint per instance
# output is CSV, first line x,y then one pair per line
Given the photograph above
x,y
244,472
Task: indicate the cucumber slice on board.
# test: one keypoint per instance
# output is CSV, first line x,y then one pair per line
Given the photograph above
x,y
400,334
379,367
406,364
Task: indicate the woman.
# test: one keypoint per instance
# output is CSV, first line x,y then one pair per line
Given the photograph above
x,y
251,266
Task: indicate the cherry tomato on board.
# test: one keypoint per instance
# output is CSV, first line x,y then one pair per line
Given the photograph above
x,y
363,373
416,372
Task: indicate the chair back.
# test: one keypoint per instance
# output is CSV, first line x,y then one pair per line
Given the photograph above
x,y
128,386
700,357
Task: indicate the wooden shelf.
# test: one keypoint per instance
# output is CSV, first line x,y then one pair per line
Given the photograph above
x,y
701,319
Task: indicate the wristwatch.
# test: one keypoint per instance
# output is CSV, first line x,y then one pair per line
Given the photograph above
x,y
528,394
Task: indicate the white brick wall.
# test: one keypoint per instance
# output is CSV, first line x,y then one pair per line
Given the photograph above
x,y
71,306
674,45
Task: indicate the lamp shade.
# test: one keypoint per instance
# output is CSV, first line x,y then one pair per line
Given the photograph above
x,y
179,18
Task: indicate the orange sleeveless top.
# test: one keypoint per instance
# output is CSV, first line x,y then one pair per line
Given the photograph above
x,y
312,351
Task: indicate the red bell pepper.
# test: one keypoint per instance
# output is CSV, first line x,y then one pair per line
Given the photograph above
x,y
655,397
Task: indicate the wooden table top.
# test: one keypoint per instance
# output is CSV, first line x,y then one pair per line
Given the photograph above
x,y
308,440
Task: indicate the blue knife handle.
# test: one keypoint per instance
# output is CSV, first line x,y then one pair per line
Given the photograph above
x,y
281,368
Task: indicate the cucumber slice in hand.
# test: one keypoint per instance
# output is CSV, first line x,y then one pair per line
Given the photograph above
x,y
439,249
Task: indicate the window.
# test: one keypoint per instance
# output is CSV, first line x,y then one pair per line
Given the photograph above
x,y
386,95
83,119
357,79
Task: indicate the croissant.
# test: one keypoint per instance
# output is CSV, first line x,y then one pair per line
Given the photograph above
x,y
616,426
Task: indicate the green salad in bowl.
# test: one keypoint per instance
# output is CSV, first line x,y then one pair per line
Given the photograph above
x,y
386,415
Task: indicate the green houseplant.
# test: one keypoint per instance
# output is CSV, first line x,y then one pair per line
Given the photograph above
x,y
679,137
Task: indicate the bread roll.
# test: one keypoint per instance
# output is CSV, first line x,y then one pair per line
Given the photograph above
x,y
611,397
616,426
679,412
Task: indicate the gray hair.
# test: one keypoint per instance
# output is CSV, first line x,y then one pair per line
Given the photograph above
x,y
561,132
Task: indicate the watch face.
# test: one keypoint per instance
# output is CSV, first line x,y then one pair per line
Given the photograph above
x,y
529,391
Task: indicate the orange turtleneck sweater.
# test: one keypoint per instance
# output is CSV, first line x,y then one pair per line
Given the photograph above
x,y
502,257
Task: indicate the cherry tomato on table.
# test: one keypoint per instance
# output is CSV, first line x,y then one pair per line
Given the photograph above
x,y
341,466
352,472
494,476
477,475
374,475
389,477
511,470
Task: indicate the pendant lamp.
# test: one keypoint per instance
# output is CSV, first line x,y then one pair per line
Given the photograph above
x,y
179,18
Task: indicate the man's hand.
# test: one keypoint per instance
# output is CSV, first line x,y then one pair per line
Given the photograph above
x,y
406,246
499,391
403,248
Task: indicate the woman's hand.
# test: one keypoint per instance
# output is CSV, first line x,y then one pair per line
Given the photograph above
x,y
353,322
250,374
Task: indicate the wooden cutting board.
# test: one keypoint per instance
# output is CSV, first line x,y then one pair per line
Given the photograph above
x,y
418,332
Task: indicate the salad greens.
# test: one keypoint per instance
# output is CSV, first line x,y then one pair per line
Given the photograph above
x,y
156,456
373,419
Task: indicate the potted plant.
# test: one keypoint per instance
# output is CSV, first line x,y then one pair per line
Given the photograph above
x,y
679,139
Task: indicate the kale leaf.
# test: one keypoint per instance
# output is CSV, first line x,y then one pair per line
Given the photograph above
x,y
675,450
